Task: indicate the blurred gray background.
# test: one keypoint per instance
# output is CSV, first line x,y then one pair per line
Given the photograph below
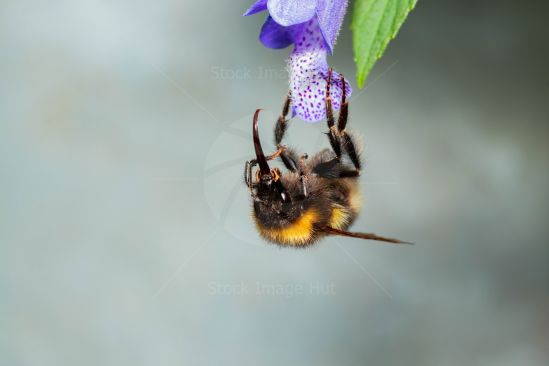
x,y
125,236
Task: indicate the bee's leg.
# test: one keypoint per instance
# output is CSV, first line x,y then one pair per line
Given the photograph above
x,y
248,167
288,157
344,109
248,173
346,140
349,174
282,122
350,149
332,133
276,154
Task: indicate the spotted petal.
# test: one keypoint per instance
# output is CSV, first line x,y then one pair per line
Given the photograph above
x,y
308,69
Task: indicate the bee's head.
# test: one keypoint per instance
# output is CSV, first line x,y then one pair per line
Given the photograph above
x,y
268,186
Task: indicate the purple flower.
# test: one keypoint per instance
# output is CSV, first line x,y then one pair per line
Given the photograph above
x,y
312,26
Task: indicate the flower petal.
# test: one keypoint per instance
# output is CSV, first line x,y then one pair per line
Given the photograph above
x,y
273,35
290,12
308,85
330,14
259,6
308,69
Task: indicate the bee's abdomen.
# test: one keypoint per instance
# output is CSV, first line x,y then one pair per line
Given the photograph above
x,y
302,232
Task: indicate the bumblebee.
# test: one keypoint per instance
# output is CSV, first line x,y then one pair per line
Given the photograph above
x,y
317,196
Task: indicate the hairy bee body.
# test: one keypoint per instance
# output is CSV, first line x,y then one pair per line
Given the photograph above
x,y
330,202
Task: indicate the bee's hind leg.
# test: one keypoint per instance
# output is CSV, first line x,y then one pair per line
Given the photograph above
x,y
332,133
340,140
346,139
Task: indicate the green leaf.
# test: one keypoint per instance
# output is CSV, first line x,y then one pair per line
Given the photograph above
x,y
375,23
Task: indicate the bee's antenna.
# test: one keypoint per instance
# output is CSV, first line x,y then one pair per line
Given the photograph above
x,y
261,160
366,236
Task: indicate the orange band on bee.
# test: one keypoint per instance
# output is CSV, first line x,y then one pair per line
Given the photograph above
x,y
298,233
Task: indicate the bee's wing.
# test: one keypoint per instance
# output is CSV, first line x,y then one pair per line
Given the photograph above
x,y
367,236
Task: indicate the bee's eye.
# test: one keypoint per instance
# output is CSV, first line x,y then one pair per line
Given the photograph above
x,y
285,197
